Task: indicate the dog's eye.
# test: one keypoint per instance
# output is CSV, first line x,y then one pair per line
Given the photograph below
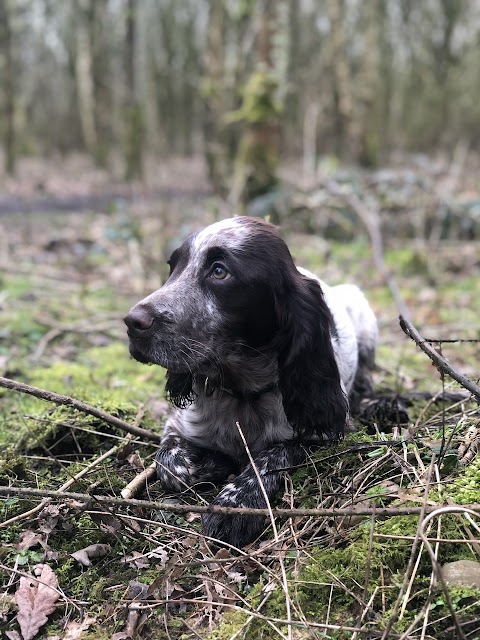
x,y
219,271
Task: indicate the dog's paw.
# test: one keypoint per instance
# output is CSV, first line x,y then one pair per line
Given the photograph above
x,y
175,468
237,530
383,411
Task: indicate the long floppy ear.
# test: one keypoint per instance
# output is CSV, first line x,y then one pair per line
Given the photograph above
x,y
179,389
313,398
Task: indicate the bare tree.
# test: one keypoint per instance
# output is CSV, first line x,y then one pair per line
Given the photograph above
x,y
83,73
134,116
8,81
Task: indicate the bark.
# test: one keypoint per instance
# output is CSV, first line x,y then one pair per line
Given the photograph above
x,y
134,116
341,81
258,156
8,81
214,128
83,74
101,78
368,81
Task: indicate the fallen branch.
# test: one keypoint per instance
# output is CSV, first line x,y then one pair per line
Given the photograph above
x,y
66,485
438,360
56,398
138,484
333,512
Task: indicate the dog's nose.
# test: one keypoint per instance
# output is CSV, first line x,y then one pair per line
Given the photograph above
x,y
139,319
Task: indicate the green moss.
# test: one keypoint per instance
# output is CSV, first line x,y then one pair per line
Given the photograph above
x,y
465,489
259,103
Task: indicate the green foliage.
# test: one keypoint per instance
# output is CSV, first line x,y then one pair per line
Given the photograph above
x,y
259,105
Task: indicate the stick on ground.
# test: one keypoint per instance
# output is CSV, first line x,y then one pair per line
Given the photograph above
x,y
56,398
438,360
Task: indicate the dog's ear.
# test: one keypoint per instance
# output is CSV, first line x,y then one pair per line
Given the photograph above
x,y
179,389
313,398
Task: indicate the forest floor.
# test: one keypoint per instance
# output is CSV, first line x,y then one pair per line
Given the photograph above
x,y
126,570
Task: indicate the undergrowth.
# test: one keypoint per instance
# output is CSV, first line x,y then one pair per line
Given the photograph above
x,y
348,573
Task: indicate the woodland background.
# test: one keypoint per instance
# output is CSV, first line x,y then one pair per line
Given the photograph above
x,y
123,80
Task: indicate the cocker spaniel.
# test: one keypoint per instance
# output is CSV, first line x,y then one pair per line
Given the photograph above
x,y
249,338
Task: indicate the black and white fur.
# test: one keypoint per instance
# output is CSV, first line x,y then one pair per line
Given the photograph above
x,y
248,338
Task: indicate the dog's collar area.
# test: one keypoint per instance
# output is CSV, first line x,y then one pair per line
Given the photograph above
x,y
210,388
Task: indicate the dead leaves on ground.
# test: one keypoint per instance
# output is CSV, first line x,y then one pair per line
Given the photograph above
x,y
85,556
36,599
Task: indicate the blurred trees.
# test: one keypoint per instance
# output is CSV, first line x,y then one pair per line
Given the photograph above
x,y
8,82
128,79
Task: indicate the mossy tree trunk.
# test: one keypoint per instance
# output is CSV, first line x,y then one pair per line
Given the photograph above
x,y
258,155
368,141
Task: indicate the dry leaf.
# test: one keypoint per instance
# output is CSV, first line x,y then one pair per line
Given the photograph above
x,y
29,539
36,600
136,462
74,629
49,517
92,551
136,559
469,446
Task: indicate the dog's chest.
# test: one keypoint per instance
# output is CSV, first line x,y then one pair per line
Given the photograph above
x,y
211,422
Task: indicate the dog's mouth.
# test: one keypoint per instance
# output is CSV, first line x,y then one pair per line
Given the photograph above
x,y
161,358
140,356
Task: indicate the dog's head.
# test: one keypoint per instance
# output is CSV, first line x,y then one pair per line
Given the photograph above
x,y
234,300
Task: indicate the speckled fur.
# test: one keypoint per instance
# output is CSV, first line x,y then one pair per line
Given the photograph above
x,y
267,346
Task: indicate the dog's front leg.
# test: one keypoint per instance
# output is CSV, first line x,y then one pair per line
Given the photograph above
x,y
245,491
181,464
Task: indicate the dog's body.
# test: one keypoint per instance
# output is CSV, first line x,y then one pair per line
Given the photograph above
x,y
249,341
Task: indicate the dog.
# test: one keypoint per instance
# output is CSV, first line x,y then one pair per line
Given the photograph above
x,y
250,342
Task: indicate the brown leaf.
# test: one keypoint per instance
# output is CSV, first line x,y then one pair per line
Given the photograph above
x,y
49,517
136,462
74,629
92,551
137,560
29,539
36,600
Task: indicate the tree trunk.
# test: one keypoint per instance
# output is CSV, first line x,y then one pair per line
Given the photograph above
x,y
258,155
342,82
368,80
83,73
101,78
6,51
216,148
134,117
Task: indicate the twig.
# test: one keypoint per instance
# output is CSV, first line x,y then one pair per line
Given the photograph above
x,y
438,360
334,512
281,621
288,602
64,486
411,563
434,560
56,398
